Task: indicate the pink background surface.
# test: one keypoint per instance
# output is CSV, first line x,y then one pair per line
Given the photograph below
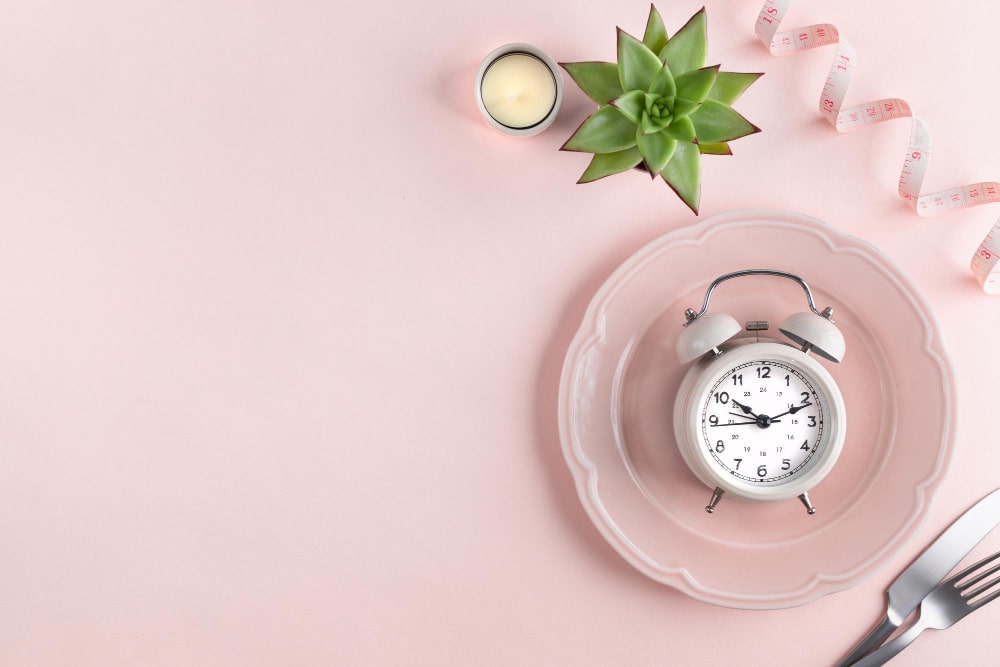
x,y
283,322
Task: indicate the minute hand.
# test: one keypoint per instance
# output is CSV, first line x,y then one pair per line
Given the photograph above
x,y
791,411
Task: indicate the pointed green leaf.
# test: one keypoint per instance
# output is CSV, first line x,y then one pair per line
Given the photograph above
x,y
605,131
729,86
683,174
652,125
631,105
714,149
681,129
637,65
684,108
656,149
655,36
715,122
694,85
599,81
606,164
688,48
663,83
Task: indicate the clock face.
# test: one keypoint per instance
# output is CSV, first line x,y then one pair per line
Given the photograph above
x,y
762,422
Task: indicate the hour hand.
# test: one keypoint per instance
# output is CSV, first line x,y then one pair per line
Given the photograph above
x,y
745,408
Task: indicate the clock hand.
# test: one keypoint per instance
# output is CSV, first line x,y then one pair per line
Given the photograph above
x,y
737,414
792,411
744,408
754,422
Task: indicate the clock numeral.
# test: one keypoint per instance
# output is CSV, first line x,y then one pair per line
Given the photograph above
x,y
805,445
805,397
746,393
738,462
720,447
713,420
795,421
763,452
734,436
762,471
746,449
788,382
764,372
786,464
738,380
812,420
722,397
779,449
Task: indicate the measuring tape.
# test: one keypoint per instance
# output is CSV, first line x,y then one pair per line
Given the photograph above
x,y
918,153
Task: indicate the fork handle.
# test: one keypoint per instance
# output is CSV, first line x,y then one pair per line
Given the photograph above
x,y
871,642
893,648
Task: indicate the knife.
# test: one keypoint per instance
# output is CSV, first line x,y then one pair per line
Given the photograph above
x,y
937,560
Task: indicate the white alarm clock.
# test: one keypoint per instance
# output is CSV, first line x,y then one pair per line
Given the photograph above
x,y
756,418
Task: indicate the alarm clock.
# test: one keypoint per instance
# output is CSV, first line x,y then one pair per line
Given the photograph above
x,y
758,418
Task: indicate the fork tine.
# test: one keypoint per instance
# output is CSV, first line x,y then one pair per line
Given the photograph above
x,y
985,587
971,569
976,579
981,601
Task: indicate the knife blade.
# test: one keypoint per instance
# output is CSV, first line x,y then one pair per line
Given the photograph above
x,y
930,567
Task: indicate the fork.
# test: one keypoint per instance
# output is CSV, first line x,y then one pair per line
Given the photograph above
x,y
951,601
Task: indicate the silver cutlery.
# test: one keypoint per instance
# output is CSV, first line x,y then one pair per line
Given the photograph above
x,y
923,575
953,600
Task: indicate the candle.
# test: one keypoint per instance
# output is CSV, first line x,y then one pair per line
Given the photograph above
x,y
519,89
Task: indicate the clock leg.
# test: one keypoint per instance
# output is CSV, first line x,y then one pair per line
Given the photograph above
x,y
716,497
805,501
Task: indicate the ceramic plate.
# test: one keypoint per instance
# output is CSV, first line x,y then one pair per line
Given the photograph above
x,y
620,380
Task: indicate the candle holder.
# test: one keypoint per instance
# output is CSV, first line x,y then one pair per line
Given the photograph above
x,y
519,99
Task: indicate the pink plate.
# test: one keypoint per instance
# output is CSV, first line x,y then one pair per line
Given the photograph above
x,y
620,380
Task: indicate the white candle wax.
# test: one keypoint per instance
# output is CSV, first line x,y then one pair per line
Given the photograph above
x,y
518,90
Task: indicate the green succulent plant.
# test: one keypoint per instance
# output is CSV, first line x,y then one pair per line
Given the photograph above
x,y
659,106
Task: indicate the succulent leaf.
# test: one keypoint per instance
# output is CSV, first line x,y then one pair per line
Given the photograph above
x,y
637,65
729,86
681,129
694,85
688,49
631,105
655,36
715,149
607,164
663,83
599,81
716,122
683,174
605,131
684,108
657,149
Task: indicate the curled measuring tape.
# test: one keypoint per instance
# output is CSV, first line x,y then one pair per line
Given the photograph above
x,y
986,262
